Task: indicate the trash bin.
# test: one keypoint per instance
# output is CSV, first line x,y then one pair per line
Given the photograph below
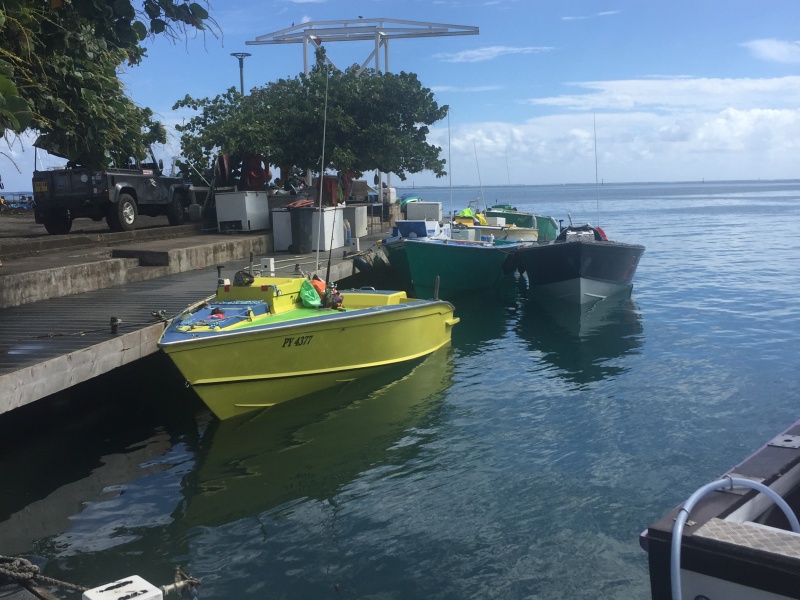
x,y
302,226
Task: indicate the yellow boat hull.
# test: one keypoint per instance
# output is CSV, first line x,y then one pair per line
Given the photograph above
x,y
250,367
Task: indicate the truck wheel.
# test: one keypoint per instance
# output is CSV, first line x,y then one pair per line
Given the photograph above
x,y
122,215
175,209
58,225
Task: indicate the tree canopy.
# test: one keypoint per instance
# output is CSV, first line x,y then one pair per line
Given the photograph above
x,y
58,72
374,121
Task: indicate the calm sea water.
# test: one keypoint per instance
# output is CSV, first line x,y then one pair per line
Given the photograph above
x,y
521,462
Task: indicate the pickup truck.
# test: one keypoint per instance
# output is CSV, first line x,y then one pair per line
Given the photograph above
x,y
117,195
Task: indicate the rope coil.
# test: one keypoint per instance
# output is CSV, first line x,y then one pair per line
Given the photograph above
x,y
22,571
17,569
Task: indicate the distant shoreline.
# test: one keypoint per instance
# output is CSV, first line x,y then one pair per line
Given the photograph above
x,y
604,184
574,184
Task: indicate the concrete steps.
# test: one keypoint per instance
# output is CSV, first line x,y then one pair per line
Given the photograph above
x,y
65,273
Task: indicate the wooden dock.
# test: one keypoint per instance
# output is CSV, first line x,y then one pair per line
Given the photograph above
x,y
58,307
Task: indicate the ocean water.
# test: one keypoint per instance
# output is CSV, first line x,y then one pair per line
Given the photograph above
x,y
522,461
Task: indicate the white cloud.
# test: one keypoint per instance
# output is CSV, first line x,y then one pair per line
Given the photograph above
x,y
679,94
756,130
775,50
489,53
452,88
605,13
631,146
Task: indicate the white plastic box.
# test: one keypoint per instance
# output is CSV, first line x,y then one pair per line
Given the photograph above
x,y
496,221
580,236
129,587
332,235
471,234
424,211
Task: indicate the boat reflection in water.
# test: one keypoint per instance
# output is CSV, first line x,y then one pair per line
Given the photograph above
x,y
487,316
582,341
311,447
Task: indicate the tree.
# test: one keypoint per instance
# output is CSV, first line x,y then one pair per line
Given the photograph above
x,y
228,123
58,72
374,121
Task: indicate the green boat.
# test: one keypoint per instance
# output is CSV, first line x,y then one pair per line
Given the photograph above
x,y
547,226
460,266
395,250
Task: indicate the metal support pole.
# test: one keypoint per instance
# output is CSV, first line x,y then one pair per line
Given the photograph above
x,y
377,51
241,56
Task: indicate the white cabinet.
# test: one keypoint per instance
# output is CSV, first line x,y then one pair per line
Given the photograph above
x,y
242,211
357,217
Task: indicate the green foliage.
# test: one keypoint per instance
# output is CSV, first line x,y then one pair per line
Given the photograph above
x,y
374,121
228,123
58,72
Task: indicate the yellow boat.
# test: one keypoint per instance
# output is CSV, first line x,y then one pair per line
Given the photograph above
x,y
256,344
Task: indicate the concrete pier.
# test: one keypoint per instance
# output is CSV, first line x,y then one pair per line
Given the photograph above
x,y
58,304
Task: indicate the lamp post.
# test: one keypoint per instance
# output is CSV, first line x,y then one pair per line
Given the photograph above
x,y
241,56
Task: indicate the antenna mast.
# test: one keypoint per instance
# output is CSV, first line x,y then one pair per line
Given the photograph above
x,y
596,188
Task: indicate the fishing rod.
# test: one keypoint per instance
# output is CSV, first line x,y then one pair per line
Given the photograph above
x,y
450,170
322,172
330,249
321,179
478,166
596,189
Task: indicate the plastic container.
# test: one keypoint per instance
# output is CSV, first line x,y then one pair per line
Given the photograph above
x,y
195,213
406,228
302,229
130,587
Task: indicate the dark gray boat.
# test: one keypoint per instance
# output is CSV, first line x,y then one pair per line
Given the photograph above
x,y
582,265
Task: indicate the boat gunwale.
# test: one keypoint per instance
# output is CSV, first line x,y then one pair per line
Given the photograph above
x,y
507,248
544,244
355,313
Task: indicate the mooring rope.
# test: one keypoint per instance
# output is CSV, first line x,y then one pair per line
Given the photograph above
x,y
22,571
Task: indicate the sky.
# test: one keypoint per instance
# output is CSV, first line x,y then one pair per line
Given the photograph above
x,y
548,91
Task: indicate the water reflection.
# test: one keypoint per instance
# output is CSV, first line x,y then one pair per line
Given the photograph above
x,y
582,341
81,448
310,447
487,316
